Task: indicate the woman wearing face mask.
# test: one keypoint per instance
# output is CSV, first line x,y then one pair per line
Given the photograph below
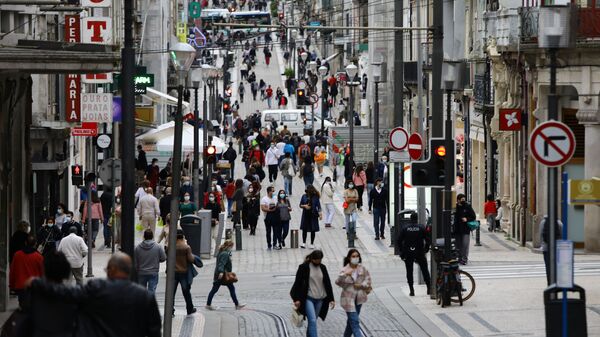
x,y
311,213
327,201
251,210
273,155
214,207
355,281
237,201
48,237
359,178
187,207
284,207
61,213
97,216
350,200
223,266
312,292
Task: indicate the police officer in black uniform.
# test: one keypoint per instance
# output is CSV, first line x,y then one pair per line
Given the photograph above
x,y
414,244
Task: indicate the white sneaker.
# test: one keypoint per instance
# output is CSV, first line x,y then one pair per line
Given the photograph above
x,y
303,245
211,307
311,246
240,306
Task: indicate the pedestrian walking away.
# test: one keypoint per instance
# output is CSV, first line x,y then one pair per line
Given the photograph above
x,y
268,204
26,263
148,257
370,174
414,243
327,192
288,170
237,202
251,210
183,261
312,293
462,233
272,161
490,212
75,250
241,91
223,276
360,182
149,210
307,171
96,216
544,236
311,213
378,205
284,207
355,281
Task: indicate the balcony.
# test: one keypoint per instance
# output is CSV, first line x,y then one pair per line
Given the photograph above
x,y
587,19
483,92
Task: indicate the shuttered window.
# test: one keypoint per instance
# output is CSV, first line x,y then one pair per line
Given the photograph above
x,y
570,118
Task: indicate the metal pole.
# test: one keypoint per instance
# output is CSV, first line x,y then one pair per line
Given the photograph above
x,y
128,138
90,272
116,149
421,211
552,172
205,143
195,162
323,102
170,286
437,115
399,108
351,119
376,130
449,179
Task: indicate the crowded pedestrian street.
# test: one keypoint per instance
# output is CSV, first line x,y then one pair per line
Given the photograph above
x,y
289,168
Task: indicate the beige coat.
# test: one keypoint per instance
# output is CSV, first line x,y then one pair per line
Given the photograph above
x,y
351,296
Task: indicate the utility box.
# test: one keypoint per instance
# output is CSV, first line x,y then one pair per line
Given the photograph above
x,y
575,313
197,232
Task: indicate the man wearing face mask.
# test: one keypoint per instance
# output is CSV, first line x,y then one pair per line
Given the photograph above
x,y
272,161
269,206
462,233
70,222
378,205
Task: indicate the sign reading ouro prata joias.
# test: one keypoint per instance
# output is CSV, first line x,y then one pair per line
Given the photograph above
x,y
96,107
96,30
72,81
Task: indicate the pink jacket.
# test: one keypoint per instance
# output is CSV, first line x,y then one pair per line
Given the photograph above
x,y
360,180
351,296
96,212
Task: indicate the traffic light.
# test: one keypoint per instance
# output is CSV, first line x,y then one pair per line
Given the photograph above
x,y
432,172
210,154
280,15
77,175
301,98
226,106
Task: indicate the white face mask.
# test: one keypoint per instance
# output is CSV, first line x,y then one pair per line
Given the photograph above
x,y
250,190
59,211
355,260
351,186
68,219
186,198
211,199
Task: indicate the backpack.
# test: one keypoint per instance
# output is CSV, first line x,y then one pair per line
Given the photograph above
x,y
239,124
304,151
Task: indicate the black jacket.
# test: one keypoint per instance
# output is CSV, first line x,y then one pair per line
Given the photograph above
x,y
164,204
230,155
413,241
17,242
299,290
463,211
65,230
378,200
137,314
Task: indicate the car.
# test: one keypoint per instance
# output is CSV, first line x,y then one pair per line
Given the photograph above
x,y
295,119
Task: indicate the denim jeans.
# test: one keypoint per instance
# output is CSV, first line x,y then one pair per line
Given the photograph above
x,y
285,228
312,309
149,282
369,188
229,205
379,221
106,230
353,323
309,180
181,278
216,285
287,185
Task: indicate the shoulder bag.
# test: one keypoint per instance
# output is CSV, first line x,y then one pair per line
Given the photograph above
x,y
229,278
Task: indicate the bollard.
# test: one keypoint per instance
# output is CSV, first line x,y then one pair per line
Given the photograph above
x,y
238,237
351,233
477,237
294,238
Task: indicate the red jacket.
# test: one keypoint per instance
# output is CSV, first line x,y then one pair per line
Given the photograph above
x,y
229,190
489,208
259,155
26,264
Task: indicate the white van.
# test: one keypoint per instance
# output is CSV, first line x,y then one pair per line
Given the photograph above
x,y
295,120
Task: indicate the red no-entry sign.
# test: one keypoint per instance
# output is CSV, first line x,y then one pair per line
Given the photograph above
x,y
415,146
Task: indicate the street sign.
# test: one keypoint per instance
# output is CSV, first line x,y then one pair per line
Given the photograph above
x,y
584,192
399,157
415,146
105,172
103,141
398,138
96,107
552,143
510,120
314,98
85,130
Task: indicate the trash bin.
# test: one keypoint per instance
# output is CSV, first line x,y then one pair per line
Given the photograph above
x,y
192,228
395,231
576,316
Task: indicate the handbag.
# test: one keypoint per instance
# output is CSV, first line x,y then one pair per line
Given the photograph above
x,y
345,205
229,278
297,318
473,225
234,206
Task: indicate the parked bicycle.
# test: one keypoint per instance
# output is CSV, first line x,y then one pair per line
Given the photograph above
x,y
453,285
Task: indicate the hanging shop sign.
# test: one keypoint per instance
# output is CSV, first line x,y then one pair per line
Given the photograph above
x,y
72,81
96,107
510,119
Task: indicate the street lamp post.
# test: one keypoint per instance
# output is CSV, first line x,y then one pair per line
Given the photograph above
x,y
312,65
377,78
196,162
351,70
303,57
182,55
322,73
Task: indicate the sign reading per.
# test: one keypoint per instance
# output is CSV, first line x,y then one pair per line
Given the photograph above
x,y
96,107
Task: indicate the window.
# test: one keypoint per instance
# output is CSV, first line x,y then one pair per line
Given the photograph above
x,y
272,117
289,117
5,17
22,24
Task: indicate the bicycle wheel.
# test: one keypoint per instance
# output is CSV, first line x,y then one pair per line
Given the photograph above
x,y
467,283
